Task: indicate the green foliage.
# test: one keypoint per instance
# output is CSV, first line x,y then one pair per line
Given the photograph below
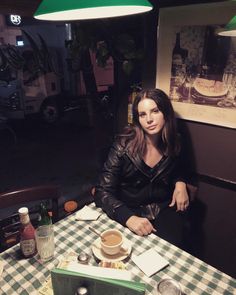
x,y
128,66
106,40
102,54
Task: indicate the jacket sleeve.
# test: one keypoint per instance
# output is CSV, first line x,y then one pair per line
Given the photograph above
x,y
106,190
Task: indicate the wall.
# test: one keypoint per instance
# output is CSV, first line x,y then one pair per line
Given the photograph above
x,y
211,156
211,152
7,33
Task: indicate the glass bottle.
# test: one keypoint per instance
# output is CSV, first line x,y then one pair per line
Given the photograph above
x,y
27,234
44,218
215,54
178,69
179,56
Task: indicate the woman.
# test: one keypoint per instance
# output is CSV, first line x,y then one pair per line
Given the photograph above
x,y
142,185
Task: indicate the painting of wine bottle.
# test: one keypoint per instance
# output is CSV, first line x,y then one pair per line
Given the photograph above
x,y
196,66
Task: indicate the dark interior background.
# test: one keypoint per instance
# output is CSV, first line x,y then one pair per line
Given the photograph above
x,y
212,158
211,154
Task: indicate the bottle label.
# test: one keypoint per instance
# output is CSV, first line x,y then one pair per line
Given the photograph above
x,y
28,247
24,218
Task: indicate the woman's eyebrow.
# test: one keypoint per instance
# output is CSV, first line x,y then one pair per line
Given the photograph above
x,y
154,109
151,110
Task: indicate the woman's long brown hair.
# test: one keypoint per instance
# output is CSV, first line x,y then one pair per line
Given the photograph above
x,y
134,136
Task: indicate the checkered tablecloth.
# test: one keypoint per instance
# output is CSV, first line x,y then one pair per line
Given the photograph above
x,y
25,276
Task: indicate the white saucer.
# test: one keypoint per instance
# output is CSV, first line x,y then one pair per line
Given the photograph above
x,y
98,253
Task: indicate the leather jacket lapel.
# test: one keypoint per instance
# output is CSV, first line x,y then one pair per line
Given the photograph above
x,y
165,163
140,165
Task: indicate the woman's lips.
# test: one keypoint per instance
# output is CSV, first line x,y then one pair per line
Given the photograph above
x,y
151,127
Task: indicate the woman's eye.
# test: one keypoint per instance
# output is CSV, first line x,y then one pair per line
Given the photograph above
x,y
156,111
141,115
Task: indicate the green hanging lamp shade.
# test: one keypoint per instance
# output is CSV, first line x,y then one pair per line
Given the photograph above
x,y
230,28
63,10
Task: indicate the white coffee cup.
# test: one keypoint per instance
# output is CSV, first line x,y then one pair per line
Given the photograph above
x,y
112,241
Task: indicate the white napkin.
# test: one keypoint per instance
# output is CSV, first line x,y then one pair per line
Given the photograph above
x,y
87,213
150,262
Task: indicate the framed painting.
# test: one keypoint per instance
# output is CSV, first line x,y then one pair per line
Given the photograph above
x,y
196,67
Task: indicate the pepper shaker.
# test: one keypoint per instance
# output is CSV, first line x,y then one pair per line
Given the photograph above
x,y
83,258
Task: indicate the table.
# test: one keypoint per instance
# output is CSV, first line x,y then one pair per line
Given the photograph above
x,y
25,276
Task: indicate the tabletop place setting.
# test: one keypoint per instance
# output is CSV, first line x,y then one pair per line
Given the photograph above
x,y
89,252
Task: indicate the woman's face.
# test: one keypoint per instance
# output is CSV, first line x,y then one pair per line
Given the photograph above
x,y
150,118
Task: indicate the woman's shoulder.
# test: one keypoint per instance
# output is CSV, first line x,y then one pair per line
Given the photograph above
x,y
119,145
124,138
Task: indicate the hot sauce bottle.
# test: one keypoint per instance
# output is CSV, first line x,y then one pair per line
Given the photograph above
x,y
27,231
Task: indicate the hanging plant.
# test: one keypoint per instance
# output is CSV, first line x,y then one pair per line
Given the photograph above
x,y
105,41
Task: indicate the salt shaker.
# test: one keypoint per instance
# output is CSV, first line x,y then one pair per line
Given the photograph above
x,y
83,258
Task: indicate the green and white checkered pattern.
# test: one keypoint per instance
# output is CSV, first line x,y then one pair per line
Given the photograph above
x,y
25,276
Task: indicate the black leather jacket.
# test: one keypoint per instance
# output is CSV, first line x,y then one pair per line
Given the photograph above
x,y
126,181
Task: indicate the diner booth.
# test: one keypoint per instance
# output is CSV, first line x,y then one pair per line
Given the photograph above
x,y
207,125
186,54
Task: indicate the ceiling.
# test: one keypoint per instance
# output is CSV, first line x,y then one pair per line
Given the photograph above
x,y
28,7
21,7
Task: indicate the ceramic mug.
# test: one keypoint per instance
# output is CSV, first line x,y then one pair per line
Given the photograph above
x,y
112,241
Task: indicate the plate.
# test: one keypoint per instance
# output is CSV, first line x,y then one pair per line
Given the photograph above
x,y
98,253
209,88
206,100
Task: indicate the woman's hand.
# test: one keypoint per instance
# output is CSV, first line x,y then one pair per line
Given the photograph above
x,y
139,225
180,197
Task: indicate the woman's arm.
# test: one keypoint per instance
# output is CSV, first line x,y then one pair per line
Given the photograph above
x,y
140,225
180,196
106,195
109,181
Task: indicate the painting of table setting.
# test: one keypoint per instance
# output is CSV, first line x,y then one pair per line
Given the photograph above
x,y
140,265
203,68
197,66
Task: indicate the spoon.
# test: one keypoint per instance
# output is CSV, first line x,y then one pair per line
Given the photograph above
x,y
97,233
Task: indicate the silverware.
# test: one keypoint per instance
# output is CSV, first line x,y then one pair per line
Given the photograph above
x,y
97,233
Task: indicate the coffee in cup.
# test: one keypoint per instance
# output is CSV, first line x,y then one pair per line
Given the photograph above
x,y
111,241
